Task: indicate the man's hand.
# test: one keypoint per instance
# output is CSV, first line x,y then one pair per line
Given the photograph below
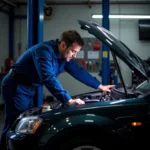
x,y
105,88
77,101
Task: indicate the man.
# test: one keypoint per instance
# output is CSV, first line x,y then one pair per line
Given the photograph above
x,y
40,65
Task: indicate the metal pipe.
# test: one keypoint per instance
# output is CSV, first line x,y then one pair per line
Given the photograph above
x,y
93,3
10,3
96,3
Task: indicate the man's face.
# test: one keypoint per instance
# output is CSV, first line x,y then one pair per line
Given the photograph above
x,y
70,52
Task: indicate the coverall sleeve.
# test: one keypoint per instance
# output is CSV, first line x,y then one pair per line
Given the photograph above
x,y
79,73
43,59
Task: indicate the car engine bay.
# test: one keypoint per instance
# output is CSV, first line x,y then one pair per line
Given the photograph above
x,y
117,93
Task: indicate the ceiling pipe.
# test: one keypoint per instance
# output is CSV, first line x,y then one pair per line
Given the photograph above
x,y
92,3
95,3
9,3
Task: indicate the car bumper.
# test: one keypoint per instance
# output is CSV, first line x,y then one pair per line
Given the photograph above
x,y
17,141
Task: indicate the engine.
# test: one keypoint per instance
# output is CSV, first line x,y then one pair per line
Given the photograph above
x,y
115,94
95,97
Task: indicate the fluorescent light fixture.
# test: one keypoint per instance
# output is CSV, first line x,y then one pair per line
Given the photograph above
x,y
124,16
130,16
97,16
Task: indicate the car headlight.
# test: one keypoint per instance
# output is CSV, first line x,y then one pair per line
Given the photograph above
x,y
28,125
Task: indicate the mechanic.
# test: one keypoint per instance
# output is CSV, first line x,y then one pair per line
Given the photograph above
x,y
41,65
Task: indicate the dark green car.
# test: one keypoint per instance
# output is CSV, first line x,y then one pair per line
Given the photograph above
x,y
116,120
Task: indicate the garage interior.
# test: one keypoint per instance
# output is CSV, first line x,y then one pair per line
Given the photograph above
x,y
19,31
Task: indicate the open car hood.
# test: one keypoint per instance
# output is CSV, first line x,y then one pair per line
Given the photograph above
x,y
117,47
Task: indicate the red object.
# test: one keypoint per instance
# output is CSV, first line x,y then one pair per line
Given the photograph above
x,y
83,62
97,45
8,63
45,102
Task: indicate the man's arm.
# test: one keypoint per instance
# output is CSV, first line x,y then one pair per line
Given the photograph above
x,y
81,74
43,60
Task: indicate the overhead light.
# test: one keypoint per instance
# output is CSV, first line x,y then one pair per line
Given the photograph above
x,y
124,16
97,16
130,16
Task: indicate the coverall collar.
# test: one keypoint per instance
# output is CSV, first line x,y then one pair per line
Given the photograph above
x,y
57,53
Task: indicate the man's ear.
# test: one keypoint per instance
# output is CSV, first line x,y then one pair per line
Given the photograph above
x,y
63,45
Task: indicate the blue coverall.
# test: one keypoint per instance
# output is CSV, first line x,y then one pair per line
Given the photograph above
x,y
39,65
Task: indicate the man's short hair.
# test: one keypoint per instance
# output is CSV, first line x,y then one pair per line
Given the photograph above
x,y
71,36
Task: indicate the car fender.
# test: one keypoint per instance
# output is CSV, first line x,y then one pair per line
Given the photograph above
x,y
78,122
87,119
